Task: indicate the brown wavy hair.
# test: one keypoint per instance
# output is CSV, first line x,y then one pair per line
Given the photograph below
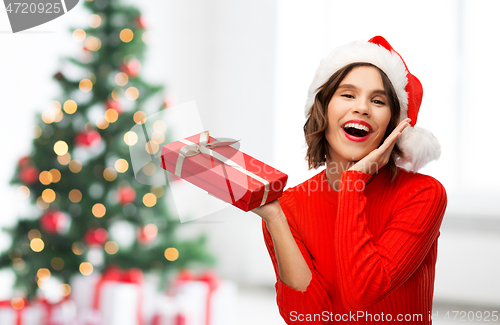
x,y
317,118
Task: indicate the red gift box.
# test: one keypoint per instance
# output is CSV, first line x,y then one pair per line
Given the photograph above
x,y
223,171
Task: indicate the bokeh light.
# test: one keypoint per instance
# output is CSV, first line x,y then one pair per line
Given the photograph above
x,y
57,263
152,147
86,268
98,210
132,93
45,177
130,138
37,245
17,303
158,137
70,106
157,190
23,192
34,233
150,230
48,195
65,289
95,21
40,203
60,148
121,165
140,117
93,43
85,85
149,200
78,248
121,79
149,169
79,35
171,254
160,126
38,132
111,247
75,196
75,166
111,115
126,35
102,123
109,174
64,159
56,175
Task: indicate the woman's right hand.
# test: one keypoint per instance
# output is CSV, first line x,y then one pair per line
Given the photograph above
x,y
269,211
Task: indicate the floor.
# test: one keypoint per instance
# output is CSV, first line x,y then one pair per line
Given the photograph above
x,y
258,306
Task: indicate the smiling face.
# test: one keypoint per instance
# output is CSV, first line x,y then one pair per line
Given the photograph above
x,y
358,115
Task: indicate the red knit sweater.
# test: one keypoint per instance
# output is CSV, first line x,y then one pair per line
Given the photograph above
x,y
371,248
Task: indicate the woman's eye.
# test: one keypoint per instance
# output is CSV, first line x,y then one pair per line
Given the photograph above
x,y
378,102
347,95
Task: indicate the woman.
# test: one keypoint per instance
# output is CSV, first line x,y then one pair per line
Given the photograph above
x,y
357,243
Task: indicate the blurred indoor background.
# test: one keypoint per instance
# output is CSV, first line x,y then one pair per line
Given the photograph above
x,y
248,65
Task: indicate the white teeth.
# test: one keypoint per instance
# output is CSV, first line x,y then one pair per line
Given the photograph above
x,y
357,126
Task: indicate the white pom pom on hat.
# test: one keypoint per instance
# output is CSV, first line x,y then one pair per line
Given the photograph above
x,y
419,146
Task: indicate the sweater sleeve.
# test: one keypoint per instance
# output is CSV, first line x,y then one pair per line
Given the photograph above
x,y
293,304
369,269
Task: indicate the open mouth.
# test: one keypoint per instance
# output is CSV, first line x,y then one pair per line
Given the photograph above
x,y
356,130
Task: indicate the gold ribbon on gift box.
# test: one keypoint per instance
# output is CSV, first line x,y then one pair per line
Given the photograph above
x,y
191,149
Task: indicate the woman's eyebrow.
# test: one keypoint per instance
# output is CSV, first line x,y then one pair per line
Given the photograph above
x,y
375,92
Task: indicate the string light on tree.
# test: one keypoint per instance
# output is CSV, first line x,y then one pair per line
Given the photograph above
x,y
79,35
99,210
70,106
126,35
149,200
130,138
85,85
37,245
86,268
92,43
95,21
132,93
171,254
60,148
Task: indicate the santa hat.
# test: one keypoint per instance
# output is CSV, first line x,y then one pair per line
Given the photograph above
x,y
418,145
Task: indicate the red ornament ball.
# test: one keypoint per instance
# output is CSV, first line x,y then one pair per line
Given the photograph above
x,y
29,175
126,195
147,234
131,68
53,221
113,104
87,139
96,237
24,162
140,22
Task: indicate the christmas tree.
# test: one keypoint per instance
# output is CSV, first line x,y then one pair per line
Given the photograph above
x,y
91,212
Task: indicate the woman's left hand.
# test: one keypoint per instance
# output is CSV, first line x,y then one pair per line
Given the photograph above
x,y
380,156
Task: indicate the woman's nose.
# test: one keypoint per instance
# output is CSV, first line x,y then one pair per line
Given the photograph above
x,y
362,107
